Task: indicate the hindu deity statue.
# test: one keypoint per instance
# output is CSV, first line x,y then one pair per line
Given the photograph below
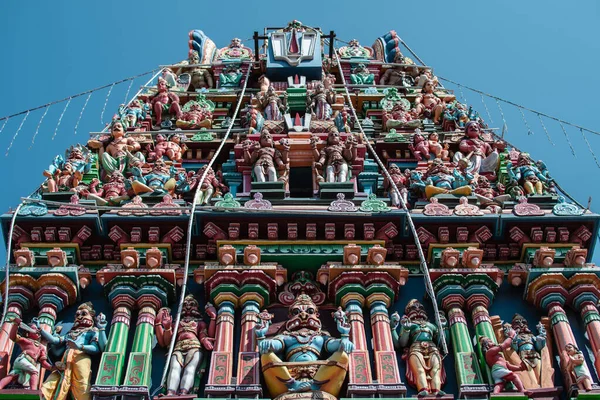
x,y
528,176
320,102
401,180
527,345
396,76
272,105
193,336
196,114
301,345
482,156
111,193
159,181
355,50
266,159
164,101
503,372
65,173
425,148
429,105
362,76
74,371
580,374
235,51
485,192
335,158
173,148
200,76
398,116
132,114
209,186
439,180
420,340
231,76
25,368
424,76
120,153
455,116
63,180
462,175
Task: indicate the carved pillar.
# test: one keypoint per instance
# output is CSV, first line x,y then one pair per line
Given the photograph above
x,y
110,370
483,327
140,357
467,369
591,319
360,378
563,335
221,363
20,298
248,372
386,364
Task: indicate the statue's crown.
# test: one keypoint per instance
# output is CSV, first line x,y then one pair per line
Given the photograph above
x,y
88,306
303,299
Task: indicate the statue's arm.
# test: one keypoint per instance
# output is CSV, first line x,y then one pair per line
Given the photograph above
x,y
51,338
209,78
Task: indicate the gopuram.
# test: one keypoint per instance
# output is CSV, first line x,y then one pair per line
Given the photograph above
x,y
292,219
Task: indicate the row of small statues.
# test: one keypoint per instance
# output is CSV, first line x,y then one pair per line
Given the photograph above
x,y
300,341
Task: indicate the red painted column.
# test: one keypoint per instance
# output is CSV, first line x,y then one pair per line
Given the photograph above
x,y
248,371
221,363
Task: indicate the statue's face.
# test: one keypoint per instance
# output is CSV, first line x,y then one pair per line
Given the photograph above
x,y
519,324
68,170
354,43
135,104
116,177
416,311
83,318
190,307
570,349
159,166
34,335
266,140
483,182
418,138
160,138
433,137
303,315
117,129
428,86
394,170
523,160
76,154
194,57
333,138
235,42
162,85
473,130
486,344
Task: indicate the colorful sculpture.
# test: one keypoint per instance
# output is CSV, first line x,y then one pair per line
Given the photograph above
x,y
231,76
428,104
320,102
577,368
208,187
200,77
425,148
400,179
483,158
173,149
396,76
196,114
335,159
301,344
272,106
133,114
111,193
266,158
440,180
25,370
528,176
74,371
503,372
158,181
420,340
193,336
164,101
119,153
362,76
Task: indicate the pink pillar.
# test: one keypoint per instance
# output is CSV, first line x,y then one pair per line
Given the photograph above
x,y
248,371
221,363
360,375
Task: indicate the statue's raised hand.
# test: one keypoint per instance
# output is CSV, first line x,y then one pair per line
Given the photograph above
x,y
346,345
342,328
395,320
164,318
101,321
210,310
266,346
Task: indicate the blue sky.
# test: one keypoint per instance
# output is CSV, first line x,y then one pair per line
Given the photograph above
x,y
542,54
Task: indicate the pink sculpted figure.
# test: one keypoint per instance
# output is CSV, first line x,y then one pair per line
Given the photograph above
x,y
502,371
164,101
172,148
113,192
400,179
428,104
26,366
481,155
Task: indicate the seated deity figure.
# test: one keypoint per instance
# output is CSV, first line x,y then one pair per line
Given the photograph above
x,y
529,176
65,179
173,148
120,153
301,345
200,76
159,181
196,114
73,373
272,105
362,76
164,101
527,345
440,180
266,159
231,76
396,76
399,117
111,193
25,368
133,114
428,104
483,158
335,158
320,102
401,180
78,156
425,148
208,187
420,339
193,336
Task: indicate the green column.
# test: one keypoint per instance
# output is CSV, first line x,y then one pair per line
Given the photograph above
x,y
140,358
483,327
110,370
467,368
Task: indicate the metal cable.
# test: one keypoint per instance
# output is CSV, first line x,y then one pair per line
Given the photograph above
x,y
589,147
529,131
545,130
37,129
81,113
105,103
568,140
7,267
486,109
504,126
423,262
189,234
